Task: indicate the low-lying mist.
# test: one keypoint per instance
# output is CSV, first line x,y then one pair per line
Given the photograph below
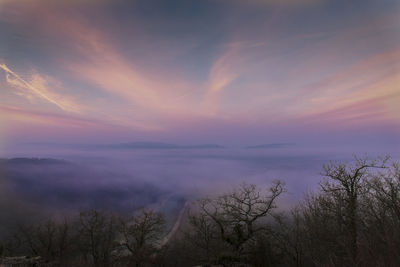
x,y
62,180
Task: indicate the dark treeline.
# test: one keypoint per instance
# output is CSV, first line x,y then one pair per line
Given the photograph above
x,y
352,220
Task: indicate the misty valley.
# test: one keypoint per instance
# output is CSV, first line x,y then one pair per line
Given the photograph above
x,y
199,133
193,200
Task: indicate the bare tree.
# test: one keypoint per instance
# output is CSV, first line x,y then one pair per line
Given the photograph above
x,y
140,235
203,237
49,240
381,209
97,235
345,184
236,216
290,236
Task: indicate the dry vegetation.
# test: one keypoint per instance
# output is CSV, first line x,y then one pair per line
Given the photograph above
x,y
353,220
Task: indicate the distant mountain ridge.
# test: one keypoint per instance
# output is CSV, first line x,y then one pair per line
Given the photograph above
x,y
131,145
158,145
274,145
154,145
36,161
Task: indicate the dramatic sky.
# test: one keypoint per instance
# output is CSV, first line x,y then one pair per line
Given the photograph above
x,y
200,71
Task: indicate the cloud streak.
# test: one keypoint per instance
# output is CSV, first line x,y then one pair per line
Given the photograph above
x,y
146,68
38,88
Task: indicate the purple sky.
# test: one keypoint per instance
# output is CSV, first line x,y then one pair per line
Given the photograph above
x,y
233,72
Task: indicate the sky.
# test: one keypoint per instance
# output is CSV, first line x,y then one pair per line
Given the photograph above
x,y
232,72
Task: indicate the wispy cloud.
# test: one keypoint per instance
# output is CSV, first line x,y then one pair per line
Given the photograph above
x,y
372,79
222,74
49,119
106,68
275,68
38,87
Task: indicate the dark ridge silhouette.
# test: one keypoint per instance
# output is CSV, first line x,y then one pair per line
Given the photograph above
x,y
157,145
128,145
268,146
64,185
36,161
